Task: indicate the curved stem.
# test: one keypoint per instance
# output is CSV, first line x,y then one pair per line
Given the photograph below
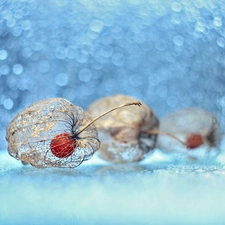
x,y
167,134
103,114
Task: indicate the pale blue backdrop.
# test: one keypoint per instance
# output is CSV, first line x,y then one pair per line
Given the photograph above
x,y
170,54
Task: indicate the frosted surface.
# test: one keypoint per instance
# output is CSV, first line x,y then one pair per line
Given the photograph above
x,y
156,191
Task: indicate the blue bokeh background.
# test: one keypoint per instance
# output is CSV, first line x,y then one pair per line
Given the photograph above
x,y
170,54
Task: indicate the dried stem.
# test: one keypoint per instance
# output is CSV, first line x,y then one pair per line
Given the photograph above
x,y
103,114
167,134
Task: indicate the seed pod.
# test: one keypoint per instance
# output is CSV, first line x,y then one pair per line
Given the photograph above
x,y
123,133
196,127
44,135
54,133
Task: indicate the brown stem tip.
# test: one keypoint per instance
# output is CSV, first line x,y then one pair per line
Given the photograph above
x,y
167,134
103,114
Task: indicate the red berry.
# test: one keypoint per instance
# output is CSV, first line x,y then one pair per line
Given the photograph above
x,y
63,145
194,141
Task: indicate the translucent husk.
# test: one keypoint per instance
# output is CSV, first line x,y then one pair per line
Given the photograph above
x,y
30,133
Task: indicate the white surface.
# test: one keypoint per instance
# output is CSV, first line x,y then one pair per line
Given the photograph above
x,y
155,191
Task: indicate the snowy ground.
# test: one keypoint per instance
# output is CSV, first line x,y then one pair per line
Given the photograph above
x,y
155,191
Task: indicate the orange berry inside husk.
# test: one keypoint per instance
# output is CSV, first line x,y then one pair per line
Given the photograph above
x,y
63,145
194,141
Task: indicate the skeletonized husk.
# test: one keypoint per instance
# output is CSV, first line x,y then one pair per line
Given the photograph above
x,y
184,122
123,132
30,133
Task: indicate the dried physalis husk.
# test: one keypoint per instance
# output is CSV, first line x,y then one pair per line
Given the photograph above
x,y
123,132
45,135
54,133
197,128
